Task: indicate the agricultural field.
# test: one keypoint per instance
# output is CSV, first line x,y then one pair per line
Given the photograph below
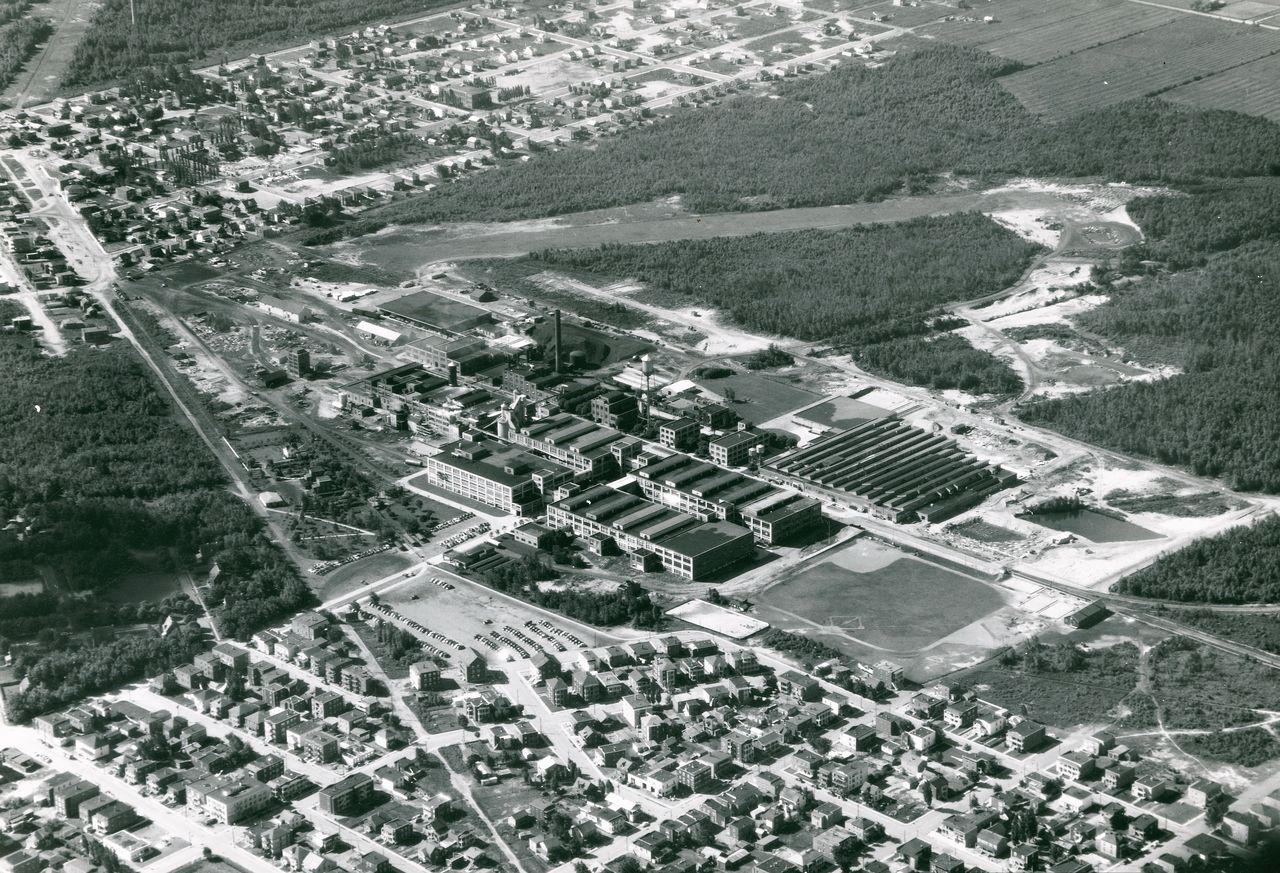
x,y
1106,75
1034,31
1250,88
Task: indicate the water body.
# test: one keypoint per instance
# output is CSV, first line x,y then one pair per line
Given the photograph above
x,y
408,248
1093,526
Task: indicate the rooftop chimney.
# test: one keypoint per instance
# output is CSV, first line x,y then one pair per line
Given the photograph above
x,y
558,356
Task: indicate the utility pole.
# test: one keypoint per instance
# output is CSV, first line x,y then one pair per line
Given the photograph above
x,y
133,17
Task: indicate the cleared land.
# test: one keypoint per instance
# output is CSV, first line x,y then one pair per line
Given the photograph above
x,y
759,398
880,596
41,78
1188,49
843,412
408,249
1035,31
1250,88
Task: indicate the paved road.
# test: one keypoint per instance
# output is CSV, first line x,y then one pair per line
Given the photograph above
x,y
174,822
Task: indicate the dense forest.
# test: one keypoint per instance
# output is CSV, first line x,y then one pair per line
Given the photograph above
x,y
180,31
876,287
1183,230
1218,418
942,362
850,135
1240,566
96,473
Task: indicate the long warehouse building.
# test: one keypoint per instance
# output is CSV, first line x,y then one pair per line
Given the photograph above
x,y
684,545
773,514
895,470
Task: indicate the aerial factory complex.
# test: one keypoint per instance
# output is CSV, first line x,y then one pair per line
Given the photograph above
x,y
787,436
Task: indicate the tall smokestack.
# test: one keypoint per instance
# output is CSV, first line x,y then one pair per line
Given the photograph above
x,y
557,359
453,375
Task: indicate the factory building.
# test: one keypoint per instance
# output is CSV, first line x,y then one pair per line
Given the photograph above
x,y
494,473
583,446
410,398
686,484
681,544
894,470
440,355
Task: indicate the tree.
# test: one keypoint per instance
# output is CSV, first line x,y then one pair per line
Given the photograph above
x,y
926,793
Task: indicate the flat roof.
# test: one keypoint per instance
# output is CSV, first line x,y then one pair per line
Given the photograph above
x,y
433,310
705,538
736,438
491,466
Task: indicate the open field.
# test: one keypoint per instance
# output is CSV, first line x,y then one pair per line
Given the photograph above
x,y
41,77
140,587
881,596
407,248
759,398
719,619
1190,49
1034,31
1250,88
842,412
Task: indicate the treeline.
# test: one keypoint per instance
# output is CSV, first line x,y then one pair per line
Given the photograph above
x,y
18,42
876,288
1239,566
180,31
629,605
860,284
61,677
850,135
1218,418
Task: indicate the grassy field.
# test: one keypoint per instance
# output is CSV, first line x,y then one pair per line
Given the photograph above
x,y
41,77
1087,695
881,596
1035,31
843,412
760,398
1190,49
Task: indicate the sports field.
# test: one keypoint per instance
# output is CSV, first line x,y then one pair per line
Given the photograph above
x,y
879,595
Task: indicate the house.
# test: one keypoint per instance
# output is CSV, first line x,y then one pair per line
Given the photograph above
x,y
1202,792
1118,777
1025,736
1144,827
959,716
1076,766
424,675
1152,787
1241,826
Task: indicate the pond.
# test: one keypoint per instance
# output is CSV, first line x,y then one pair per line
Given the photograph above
x,y
1094,526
